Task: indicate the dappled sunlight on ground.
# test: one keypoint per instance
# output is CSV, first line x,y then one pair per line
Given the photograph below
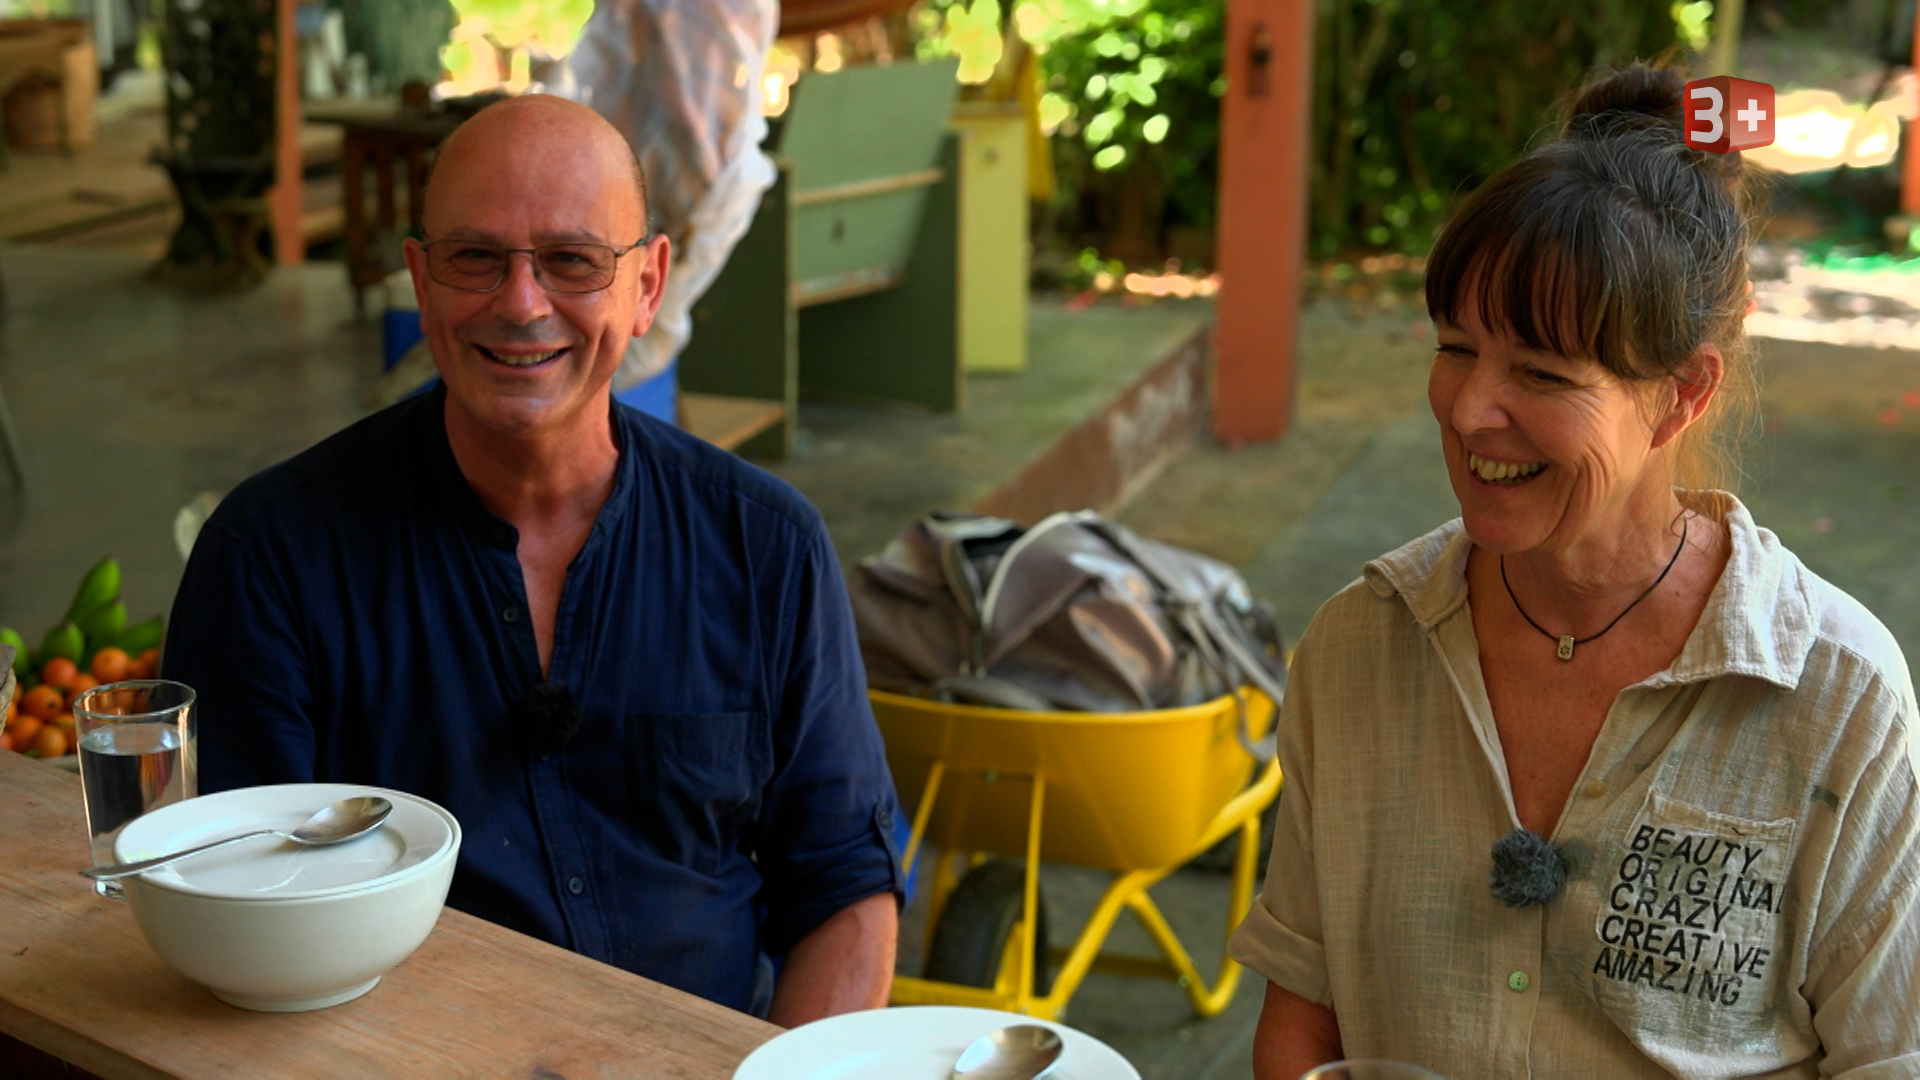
x,y
1801,299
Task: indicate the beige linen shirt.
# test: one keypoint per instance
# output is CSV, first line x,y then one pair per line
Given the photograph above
x,y
1743,845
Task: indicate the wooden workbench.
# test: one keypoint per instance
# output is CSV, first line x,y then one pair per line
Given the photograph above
x,y
79,982
381,137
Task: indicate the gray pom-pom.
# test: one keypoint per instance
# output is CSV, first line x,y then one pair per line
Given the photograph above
x,y
1526,869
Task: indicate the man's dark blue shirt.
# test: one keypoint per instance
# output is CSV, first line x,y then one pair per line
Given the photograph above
x,y
355,614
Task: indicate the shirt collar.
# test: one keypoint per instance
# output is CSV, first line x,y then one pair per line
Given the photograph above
x,y
443,471
1761,619
430,421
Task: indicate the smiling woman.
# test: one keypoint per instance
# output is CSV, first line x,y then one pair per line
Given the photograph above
x,y
1617,244
1590,672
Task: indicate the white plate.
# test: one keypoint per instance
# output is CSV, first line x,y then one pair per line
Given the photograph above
x,y
916,1043
269,868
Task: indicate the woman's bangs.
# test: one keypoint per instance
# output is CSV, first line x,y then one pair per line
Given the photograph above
x,y
1530,268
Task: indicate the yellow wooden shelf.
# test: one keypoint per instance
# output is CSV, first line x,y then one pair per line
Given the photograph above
x,y
727,422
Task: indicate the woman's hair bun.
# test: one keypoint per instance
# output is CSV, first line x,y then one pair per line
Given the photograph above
x,y
1639,98
1633,93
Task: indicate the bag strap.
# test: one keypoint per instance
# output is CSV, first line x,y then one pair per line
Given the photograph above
x,y
950,536
1219,647
990,691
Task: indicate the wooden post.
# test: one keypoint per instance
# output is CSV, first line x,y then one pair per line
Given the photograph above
x,y
288,199
1262,229
1910,176
1727,16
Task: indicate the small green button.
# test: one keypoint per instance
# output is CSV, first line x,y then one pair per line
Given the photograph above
x,y
1517,982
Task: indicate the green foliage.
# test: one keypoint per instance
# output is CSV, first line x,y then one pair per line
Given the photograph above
x,y
1132,92
401,39
1693,21
1137,94
554,24
36,9
1415,101
970,31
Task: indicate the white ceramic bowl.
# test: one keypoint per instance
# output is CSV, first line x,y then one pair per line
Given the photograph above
x,y
269,925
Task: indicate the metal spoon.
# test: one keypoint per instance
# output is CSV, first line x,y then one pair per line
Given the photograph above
x,y
334,824
1019,1052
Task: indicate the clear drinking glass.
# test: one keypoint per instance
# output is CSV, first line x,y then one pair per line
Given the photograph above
x,y
1365,1069
137,751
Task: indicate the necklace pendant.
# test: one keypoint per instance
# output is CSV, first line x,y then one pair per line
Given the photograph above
x,y
1565,651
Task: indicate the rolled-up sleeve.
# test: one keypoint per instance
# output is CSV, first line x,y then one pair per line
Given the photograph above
x,y
826,837
1281,938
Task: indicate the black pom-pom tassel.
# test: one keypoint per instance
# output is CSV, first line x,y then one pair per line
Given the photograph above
x,y
1526,869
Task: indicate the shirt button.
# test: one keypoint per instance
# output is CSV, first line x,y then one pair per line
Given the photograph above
x,y
1516,982
510,614
576,887
1596,788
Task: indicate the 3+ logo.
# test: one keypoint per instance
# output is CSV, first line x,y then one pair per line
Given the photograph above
x,y
1725,114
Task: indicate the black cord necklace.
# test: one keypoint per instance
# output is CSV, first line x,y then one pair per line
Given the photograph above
x,y
1567,641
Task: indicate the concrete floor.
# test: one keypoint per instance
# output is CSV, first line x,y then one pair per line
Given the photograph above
x,y
130,398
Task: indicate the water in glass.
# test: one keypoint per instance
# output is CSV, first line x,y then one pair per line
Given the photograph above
x,y
136,753
127,770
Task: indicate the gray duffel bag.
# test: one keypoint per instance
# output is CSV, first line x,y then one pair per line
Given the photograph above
x,y
1076,613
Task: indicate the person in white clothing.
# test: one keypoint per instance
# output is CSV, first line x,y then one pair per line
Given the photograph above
x,y
1597,780
681,79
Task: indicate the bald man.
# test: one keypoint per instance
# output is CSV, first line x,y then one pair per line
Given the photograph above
x,y
622,658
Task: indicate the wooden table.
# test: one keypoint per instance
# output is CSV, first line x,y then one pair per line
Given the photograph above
x,y
78,981
380,135
61,50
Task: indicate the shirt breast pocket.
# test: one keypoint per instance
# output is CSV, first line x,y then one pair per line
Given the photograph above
x,y
1687,958
694,782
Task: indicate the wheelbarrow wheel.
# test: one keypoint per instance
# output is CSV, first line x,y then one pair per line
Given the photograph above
x,y
970,939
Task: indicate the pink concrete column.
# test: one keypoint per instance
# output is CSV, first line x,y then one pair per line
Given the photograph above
x,y
288,198
1262,239
1910,179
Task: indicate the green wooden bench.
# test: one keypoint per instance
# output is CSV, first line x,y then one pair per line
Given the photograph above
x,y
846,284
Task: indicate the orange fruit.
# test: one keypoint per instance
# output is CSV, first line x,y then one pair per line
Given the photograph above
x,y
52,742
150,660
58,672
64,720
79,685
6,740
42,702
110,664
139,670
24,730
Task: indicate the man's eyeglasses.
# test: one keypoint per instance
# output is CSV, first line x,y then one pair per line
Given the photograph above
x,y
474,266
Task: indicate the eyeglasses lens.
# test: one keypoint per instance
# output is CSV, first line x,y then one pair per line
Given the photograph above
x,y
559,267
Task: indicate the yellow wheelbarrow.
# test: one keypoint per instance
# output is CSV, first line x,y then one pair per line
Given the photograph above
x,y
1138,794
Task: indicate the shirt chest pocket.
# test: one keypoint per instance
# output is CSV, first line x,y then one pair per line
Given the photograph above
x,y
1687,951
694,782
